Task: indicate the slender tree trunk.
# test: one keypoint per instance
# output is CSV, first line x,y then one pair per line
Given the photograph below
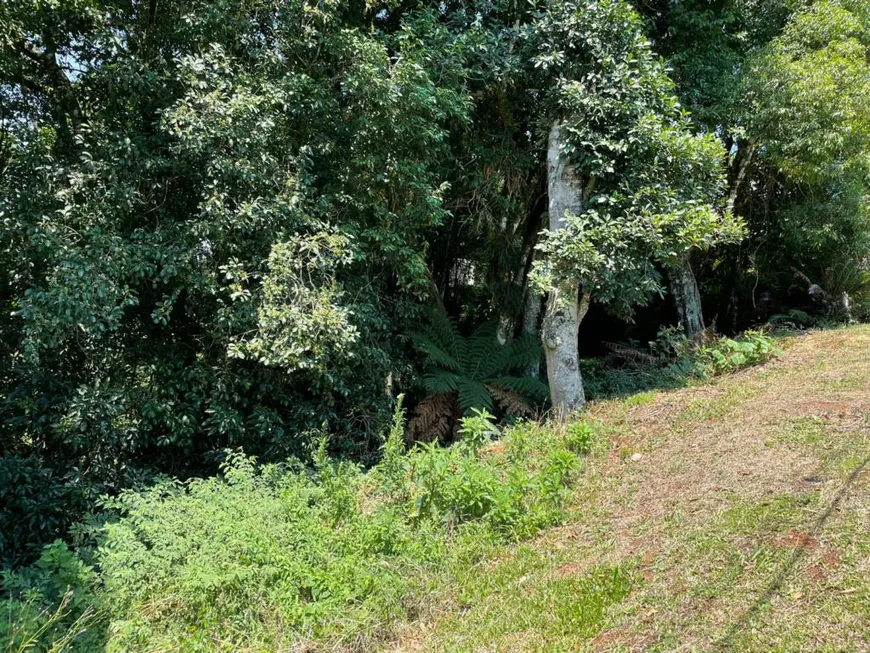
x,y
509,317
687,297
565,309
739,175
531,317
505,331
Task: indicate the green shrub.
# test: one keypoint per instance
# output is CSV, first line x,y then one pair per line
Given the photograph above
x,y
794,318
580,437
674,362
600,380
270,557
36,508
481,371
51,605
728,355
514,495
251,556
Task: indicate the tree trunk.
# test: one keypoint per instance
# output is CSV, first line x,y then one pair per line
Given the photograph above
x,y
509,319
740,175
531,317
687,297
564,309
505,331
562,320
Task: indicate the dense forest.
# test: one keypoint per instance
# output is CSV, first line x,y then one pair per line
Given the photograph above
x,y
251,225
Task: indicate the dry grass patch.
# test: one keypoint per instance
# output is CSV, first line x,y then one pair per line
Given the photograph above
x,y
742,525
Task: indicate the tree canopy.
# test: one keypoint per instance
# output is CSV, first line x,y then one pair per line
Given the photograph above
x,y
226,223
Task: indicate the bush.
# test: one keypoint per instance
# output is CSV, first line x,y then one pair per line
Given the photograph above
x,y
513,494
580,437
728,355
51,605
270,557
673,362
37,508
259,553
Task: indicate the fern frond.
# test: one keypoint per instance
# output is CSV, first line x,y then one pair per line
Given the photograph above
x,y
438,381
447,333
437,355
478,359
435,418
510,402
443,332
482,351
629,354
525,386
524,351
473,394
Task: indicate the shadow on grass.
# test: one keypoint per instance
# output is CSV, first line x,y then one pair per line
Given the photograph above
x,y
601,381
773,588
637,371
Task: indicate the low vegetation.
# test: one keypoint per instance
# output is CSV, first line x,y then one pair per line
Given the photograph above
x,y
730,516
268,556
671,361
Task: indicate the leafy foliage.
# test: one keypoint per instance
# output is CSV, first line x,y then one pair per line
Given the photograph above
x,y
477,368
806,94
217,218
51,605
673,361
214,227
36,507
728,354
782,83
652,188
274,555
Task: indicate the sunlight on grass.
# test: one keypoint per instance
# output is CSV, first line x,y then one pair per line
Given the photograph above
x,y
528,604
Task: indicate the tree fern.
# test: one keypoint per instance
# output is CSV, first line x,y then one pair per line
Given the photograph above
x,y
473,394
478,370
440,381
525,386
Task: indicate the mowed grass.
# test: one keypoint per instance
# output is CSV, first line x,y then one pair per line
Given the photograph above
x,y
732,516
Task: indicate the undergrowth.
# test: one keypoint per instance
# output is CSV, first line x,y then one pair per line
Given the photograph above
x,y
671,361
275,557
271,557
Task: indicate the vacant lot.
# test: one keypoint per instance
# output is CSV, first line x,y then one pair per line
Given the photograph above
x,y
733,515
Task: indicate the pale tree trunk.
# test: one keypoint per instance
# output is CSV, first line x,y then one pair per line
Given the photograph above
x,y
505,330
564,309
562,320
687,297
531,315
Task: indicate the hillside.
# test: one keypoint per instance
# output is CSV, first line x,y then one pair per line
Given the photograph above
x,y
733,515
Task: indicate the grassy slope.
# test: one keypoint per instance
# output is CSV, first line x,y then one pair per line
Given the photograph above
x,y
743,524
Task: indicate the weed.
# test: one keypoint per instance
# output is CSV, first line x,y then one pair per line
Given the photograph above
x,y
728,355
579,438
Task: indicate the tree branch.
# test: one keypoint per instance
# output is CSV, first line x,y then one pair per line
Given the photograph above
x,y
60,85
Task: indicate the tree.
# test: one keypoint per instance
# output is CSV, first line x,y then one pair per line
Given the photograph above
x,y
477,372
779,82
190,191
806,102
630,185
